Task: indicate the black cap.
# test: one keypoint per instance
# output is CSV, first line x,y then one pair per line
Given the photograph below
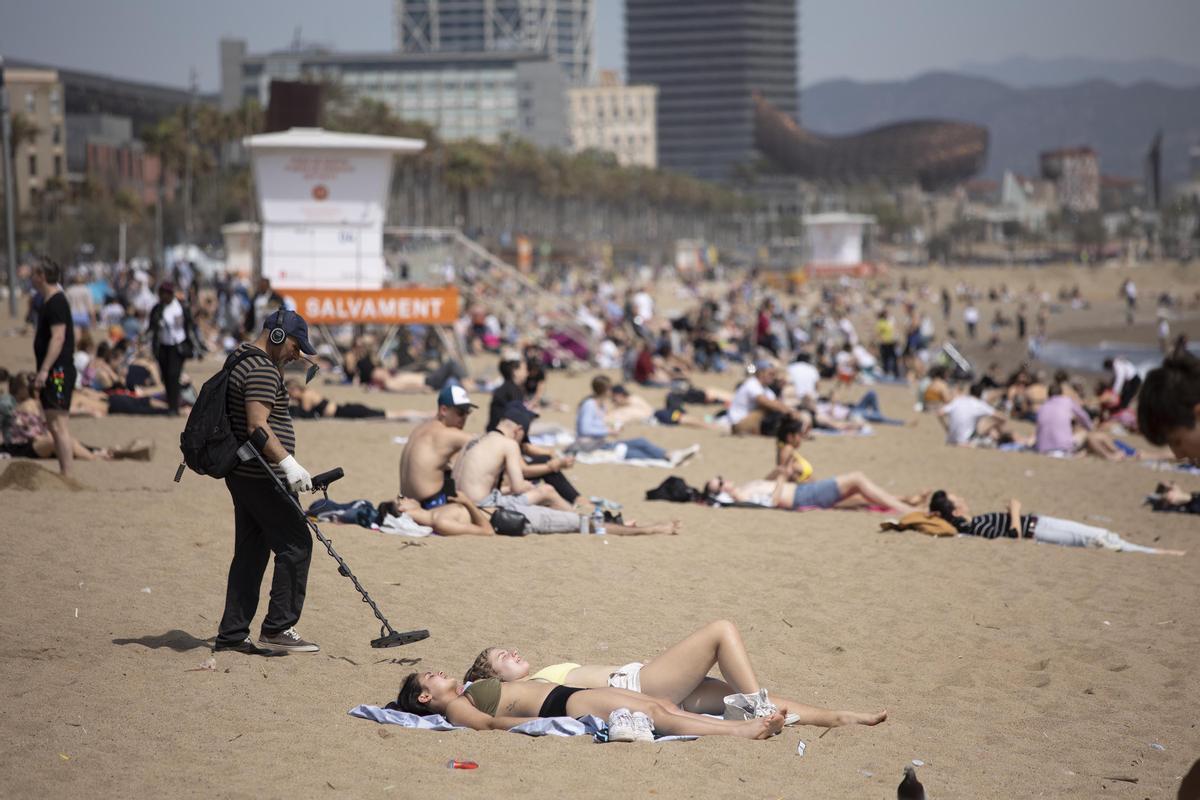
x,y
517,412
292,325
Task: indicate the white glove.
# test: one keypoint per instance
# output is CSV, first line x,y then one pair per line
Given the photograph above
x,y
298,479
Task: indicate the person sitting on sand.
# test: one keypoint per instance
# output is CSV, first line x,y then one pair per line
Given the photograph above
x,y
789,464
496,455
969,420
593,433
461,517
1056,433
756,407
1169,405
679,675
852,490
1013,525
431,448
936,391
308,403
477,706
28,435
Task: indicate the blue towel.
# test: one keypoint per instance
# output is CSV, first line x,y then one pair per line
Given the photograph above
x,y
546,726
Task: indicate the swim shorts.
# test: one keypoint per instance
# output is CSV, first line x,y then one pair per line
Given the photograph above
x,y
627,677
818,494
60,385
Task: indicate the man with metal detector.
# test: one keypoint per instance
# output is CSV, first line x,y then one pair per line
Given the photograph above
x,y
265,521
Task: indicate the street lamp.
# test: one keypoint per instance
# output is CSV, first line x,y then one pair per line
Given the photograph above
x,y
9,194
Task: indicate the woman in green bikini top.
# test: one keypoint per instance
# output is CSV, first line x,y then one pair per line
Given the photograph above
x,y
679,675
491,705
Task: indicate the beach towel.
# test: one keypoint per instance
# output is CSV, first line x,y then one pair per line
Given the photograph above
x,y
616,457
547,726
866,430
920,522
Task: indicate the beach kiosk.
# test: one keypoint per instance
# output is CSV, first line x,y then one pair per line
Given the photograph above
x,y
323,199
835,244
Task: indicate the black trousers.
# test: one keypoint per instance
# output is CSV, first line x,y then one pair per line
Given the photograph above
x,y
265,522
556,479
170,364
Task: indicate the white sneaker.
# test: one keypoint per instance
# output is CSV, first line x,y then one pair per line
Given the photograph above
x,y
621,726
643,727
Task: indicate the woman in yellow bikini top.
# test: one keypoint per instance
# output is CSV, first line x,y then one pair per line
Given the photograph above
x,y
788,461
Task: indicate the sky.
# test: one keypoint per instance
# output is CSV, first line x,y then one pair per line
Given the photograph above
x,y
160,41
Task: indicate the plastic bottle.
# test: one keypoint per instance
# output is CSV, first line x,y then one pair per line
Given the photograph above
x,y
598,522
454,763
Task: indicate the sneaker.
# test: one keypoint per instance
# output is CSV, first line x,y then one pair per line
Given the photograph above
x,y
247,647
643,727
621,726
287,642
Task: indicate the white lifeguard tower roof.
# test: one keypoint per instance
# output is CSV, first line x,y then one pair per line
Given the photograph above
x,y
839,218
321,139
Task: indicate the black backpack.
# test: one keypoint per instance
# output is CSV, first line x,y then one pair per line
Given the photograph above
x,y
674,489
208,443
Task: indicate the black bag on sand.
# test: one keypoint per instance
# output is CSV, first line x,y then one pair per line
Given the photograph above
x,y
507,522
208,444
675,490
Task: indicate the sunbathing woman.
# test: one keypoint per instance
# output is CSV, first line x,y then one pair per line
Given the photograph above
x,y
489,705
1013,525
852,490
679,675
307,403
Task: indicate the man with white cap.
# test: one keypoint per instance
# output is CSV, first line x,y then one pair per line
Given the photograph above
x,y
431,448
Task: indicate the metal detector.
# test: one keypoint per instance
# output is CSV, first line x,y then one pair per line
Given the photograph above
x,y
251,451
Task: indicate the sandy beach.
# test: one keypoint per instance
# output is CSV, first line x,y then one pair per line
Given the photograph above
x,y
1010,669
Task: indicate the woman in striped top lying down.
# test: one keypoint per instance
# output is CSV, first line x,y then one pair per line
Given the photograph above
x,y
1015,525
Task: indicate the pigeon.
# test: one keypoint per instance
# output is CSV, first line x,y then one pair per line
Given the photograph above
x,y
910,788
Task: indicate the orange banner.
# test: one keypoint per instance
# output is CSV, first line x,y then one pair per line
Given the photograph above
x,y
376,306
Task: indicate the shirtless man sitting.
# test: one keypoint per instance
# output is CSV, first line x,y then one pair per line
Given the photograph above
x,y
431,448
497,454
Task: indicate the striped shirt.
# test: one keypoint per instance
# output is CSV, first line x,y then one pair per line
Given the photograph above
x,y
257,378
995,526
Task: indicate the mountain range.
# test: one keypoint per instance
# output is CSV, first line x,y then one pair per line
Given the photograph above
x,y
1023,71
1118,121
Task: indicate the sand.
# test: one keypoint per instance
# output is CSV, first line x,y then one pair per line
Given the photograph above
x,y
1010,669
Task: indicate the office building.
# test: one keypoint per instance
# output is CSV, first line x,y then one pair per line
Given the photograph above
x,y
102,150
1075,172
462,95
615,118
708,58
561,29
35,98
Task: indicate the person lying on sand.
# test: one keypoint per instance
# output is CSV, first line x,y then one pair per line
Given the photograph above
x,y
852,490
490,705
461,517
627,408
1169,497
1012,524
679,675
308,403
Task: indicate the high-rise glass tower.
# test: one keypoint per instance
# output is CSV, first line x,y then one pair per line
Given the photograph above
x,y
560,28
707,58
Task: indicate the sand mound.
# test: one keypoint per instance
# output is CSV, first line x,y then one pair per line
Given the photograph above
x,y
30,477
